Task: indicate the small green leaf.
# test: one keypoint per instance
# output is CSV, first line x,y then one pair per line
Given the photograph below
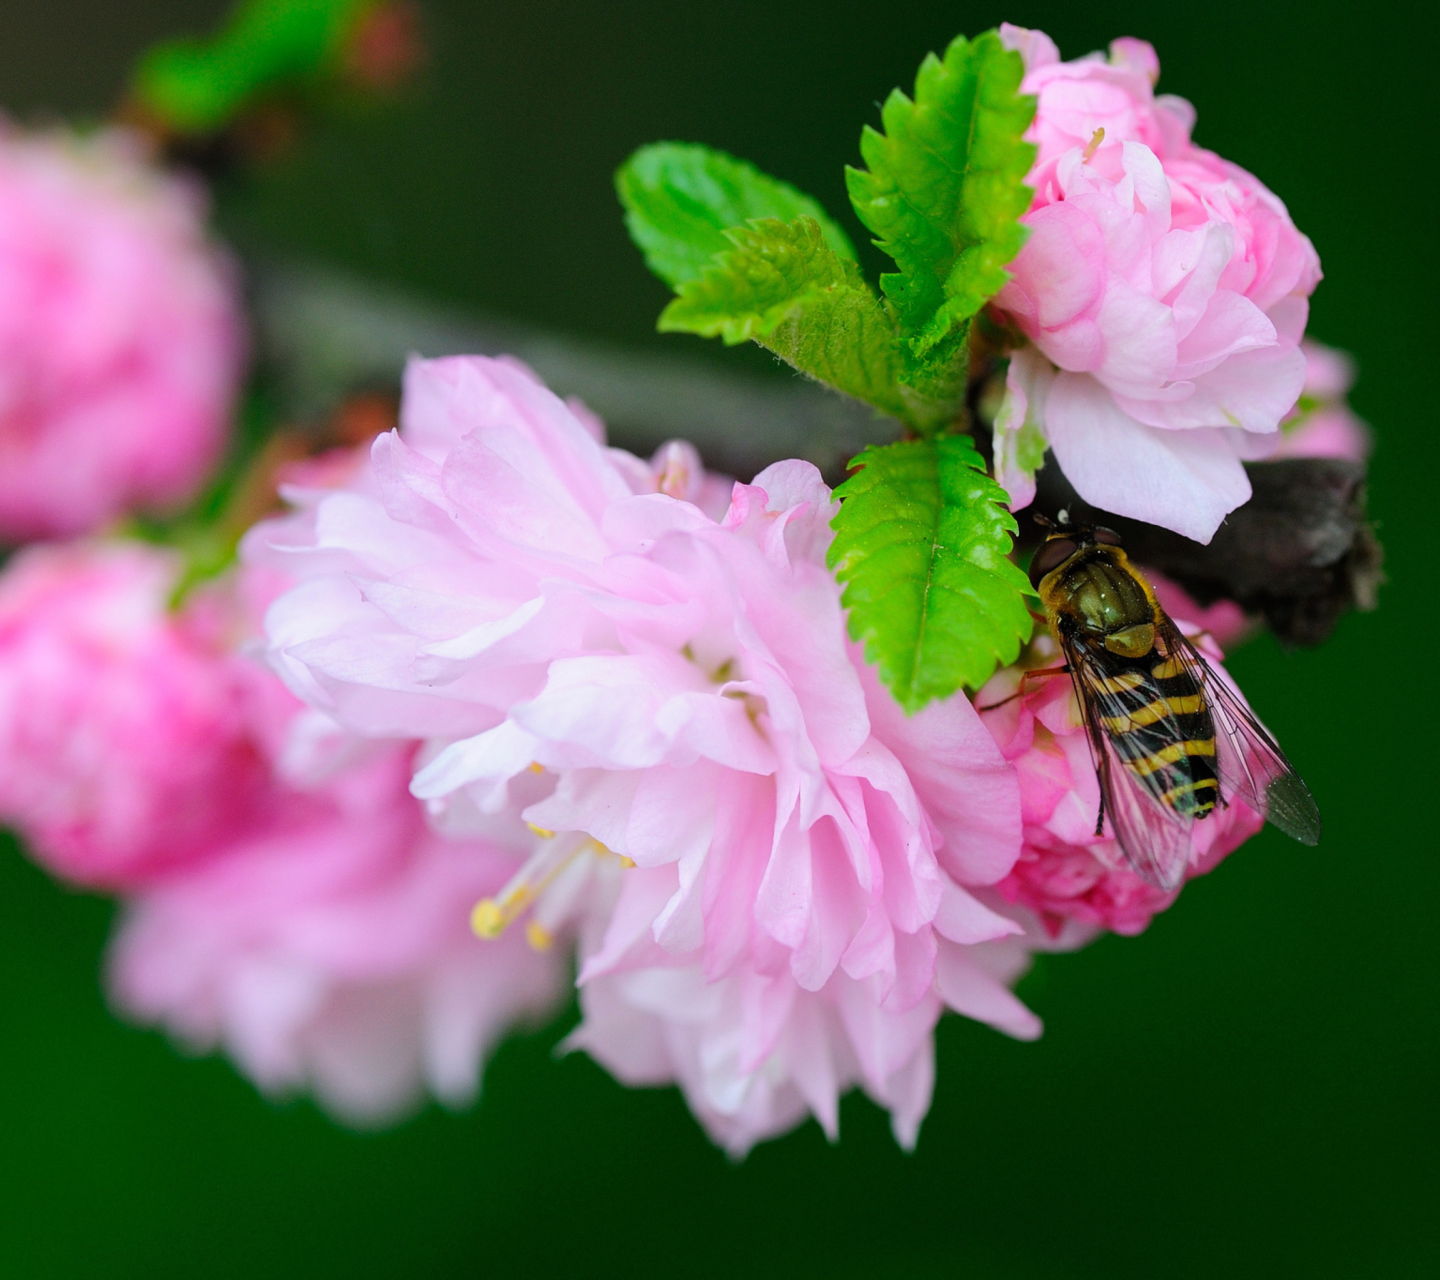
x,y
782,285
198,86
921,544
945,186
680,198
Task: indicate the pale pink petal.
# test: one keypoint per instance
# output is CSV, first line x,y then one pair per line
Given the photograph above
x,y
1035,47
1180,480
967,988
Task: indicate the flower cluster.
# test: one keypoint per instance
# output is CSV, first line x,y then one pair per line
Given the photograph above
x,y
776,879
491,704
1163,291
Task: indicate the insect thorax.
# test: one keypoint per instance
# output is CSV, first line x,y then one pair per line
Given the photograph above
x,y
1099,595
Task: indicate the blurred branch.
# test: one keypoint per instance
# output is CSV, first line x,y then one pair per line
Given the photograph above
x,y
1300,553
323,334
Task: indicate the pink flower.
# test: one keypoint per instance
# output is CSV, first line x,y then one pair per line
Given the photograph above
x,y
120,338
1225,622
125,742
326,947
1164,293
1065,872
755,1054
648,683
1324,425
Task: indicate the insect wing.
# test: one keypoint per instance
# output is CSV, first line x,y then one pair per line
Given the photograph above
x,y
1154,837
1251,764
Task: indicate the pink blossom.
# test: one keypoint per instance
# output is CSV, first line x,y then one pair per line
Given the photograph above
x,y
1065,872
1164,292
326,947
125,742
756,1053
286,898
1324,425
644,680
1224,621
120,338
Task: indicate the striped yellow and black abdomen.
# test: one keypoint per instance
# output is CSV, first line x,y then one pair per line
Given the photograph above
x,y
1156,715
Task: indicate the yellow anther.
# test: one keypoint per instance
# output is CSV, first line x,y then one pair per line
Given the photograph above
x,y
541,832
492,916
1093,146
488,920
627,863
536,767
538,936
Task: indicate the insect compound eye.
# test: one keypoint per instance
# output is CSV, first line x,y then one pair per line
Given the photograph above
x,y
1051,556
1106,536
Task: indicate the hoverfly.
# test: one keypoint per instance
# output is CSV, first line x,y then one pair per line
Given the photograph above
x,y
1172,742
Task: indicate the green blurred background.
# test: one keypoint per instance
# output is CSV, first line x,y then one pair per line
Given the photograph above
x,y
1247,1089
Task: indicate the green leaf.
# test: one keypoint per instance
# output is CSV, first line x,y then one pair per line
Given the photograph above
x,y
945,186
782,285
933,386
680,198
921,544
199,86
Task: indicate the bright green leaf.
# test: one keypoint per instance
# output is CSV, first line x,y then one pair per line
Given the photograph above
x,y
945,186
921,545
781,284
680,198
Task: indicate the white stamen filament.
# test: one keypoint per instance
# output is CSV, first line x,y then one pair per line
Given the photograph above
x,y
559,859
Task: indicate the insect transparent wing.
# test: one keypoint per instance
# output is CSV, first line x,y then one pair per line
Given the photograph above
x,y
1250,764
1155,838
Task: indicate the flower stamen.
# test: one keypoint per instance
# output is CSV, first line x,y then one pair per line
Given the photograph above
x,y
492,916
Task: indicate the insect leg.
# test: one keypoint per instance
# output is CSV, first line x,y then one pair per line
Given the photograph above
x,y
1038,675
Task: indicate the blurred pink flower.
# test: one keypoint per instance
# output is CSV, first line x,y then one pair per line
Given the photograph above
x,y
1065,872
286,898
326,947
1324,425
120,334
1164,291
125,742
574,638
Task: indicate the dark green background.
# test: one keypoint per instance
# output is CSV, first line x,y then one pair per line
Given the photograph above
x,y
1248,1089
